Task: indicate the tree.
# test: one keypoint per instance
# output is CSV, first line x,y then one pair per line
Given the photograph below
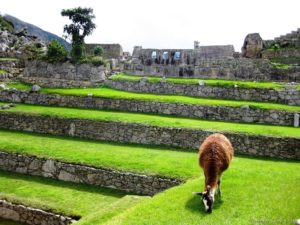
x,y
81,26
56,52
98,51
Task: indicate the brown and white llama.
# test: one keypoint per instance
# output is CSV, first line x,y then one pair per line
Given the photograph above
x,y
215,154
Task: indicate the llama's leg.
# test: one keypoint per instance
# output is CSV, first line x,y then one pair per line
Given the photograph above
x,y
219,187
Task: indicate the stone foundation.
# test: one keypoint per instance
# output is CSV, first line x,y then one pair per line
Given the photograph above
x,y
28,215
289,95
276,147
124,181
224,113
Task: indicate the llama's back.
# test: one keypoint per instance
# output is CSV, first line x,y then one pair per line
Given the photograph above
x,y
216,149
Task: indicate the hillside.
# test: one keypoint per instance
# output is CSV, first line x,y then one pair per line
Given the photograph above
x,y
36,31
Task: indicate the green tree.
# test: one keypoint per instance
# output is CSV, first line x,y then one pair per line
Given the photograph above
x,y
98,51
56,52
81,26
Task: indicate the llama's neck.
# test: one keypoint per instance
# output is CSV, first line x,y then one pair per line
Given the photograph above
x,y
212,176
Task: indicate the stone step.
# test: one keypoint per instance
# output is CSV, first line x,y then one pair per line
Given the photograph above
x,y
125,181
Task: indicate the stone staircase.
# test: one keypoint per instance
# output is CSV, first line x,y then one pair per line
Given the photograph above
x,y
289,39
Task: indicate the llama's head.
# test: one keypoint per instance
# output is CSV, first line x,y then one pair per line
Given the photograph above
x,y
207,198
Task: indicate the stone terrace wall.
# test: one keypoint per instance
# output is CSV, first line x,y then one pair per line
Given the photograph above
x,y
289,95
125,181
224,113
53,83
13,67
64,71
245,69
284,148
28,215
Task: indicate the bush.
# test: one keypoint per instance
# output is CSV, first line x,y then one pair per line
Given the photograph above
x,y
98,51
33,51
56,52
94,60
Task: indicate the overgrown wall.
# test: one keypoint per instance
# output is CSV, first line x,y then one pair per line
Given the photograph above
x,y
284,147
223,113
28,215
125,181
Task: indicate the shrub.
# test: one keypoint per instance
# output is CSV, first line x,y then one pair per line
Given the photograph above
x,y
56,52
98,51
94,60
33,51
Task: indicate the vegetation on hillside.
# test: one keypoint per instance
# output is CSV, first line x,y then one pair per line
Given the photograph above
x,y
6,25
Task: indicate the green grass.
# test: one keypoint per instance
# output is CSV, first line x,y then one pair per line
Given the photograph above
x,y
134,158
208,82
3,72
278,65
105,92
9,222
252,190
155,120
8,59
94,204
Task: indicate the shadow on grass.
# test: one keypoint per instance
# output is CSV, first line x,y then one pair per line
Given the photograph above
x,y
63,184
195,205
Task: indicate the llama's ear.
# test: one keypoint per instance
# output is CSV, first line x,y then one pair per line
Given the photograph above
x,y
198,193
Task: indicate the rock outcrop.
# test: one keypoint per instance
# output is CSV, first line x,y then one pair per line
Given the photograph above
x,y
252,47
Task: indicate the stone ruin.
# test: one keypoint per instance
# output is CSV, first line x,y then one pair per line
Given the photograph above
x,y
220,61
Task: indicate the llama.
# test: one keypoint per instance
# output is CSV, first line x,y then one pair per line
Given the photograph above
x,y
215,154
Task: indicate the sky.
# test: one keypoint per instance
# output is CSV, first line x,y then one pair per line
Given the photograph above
x,y
166,23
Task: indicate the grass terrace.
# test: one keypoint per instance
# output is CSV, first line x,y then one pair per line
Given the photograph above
x,y
125,157
106,92
155,120
94,205
208,82
249,187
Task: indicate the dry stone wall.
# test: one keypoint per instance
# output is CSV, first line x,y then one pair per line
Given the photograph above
x,y
64,72
125,181
224,113
28,215
277,147
290,95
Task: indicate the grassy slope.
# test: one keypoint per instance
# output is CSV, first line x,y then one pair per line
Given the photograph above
x,y
106,92
156,120
253,189
208,82
102,154
92,203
